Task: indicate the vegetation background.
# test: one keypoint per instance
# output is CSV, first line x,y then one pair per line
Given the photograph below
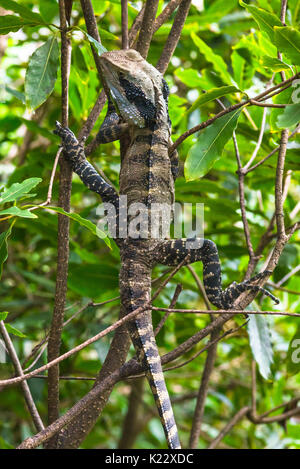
x,y
229,50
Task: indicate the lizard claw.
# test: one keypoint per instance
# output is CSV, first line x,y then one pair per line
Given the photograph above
x,y
63,132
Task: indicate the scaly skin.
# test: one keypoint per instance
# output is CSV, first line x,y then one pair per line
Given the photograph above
x,y
139,95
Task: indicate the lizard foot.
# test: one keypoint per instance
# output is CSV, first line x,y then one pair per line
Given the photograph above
x,y
73,150
232,292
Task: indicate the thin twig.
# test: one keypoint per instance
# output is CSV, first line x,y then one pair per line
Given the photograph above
x,y
174,35
98,336
65,181
223,311
207,347
146,31
232,108
199,285
271,153
237,417
257,103
124,20
161,323
253,387
24,385
203,389
259,141
288,275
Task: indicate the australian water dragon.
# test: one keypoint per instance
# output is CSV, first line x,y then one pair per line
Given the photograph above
x,y
138,96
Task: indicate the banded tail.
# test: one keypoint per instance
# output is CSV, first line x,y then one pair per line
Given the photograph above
x,y
135,289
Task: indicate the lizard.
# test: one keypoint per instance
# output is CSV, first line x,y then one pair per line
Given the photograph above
x,y
138,105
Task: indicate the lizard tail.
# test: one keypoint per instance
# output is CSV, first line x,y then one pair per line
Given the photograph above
x,y
135,288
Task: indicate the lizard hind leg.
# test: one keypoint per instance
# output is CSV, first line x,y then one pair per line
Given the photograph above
x,y
135,289
173,252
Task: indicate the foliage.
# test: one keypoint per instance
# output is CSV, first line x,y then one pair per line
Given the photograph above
x,y
228,51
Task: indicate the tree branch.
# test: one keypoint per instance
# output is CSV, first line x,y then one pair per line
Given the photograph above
x,y
146,31
24,385
65,182
174,36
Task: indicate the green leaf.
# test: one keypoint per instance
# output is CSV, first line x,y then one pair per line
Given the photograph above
x,y
82,221
107,35
260,343
23,11
190,77
17,94
265,20
3,247
17,190
210,145
289,117
99,47
4,444
48,10
217,61
14,331
86,279
273,64
214,93
41,73
10,23
17,212
36,129
287,40
3,315
285,97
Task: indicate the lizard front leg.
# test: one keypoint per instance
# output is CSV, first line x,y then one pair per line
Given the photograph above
x,y
198,249
74,152
112,128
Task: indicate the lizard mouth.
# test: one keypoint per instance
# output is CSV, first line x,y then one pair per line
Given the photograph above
x,y
111,79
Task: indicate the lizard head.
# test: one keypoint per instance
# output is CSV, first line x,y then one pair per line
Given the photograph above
x,y
137,89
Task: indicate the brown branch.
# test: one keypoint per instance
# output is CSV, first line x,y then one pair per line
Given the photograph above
x,y
65,181
253,388
76,349
44,341
241,180
72,436
166,13
291,403
124,20
210,121
177,292
275,150
91,120
136,26
199,285
206,347
174,35
131,422
238,416
92,28
146,31
257,103
279,185
276,418
24,385
203,390
222,311
160,20
129,368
